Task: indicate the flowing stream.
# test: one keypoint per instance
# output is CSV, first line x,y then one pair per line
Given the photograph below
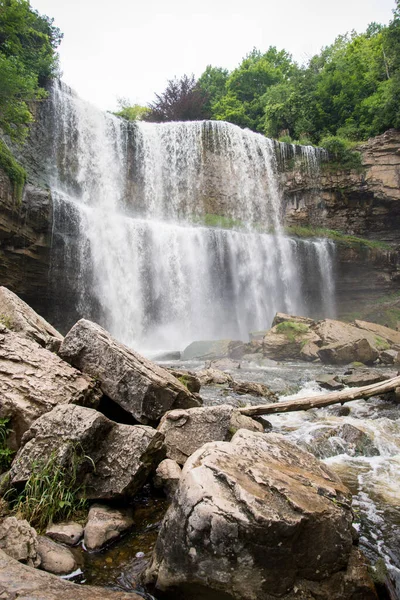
x,y
138,243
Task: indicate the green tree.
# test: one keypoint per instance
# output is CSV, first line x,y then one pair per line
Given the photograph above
x,y
131,112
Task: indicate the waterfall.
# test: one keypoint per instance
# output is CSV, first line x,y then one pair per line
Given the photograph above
x,y
132,243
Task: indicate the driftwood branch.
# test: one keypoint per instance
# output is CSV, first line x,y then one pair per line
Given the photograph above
x,y
375,389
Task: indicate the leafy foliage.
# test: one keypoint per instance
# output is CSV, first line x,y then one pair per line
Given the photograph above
x,y
182,100
131,112
27,61
292,329
52,492
15,172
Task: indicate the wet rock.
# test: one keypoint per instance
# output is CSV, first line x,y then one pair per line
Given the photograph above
x,y
253,389
55,558
367,377
338,353
390,357
167,477
64,430
257,336
345,439
69,533
19,540
287,339
187,378
213,377
329,382
123,460
339,411
223,364
187,430
209,349
259,360
256,518
23,582
105,524
140,387
21,318
33,381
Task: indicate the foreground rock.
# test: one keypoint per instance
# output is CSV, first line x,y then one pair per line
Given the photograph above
x,y
69,533
22,582
332,342
187,430
55,558
213,377
105,524
33,381
140,387
257,518
21,318
113,462
167,477
19,540
187,378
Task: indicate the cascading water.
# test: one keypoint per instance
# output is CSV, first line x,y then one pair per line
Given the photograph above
x,y
131,204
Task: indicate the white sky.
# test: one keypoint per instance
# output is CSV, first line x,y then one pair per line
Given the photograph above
x,y
130,48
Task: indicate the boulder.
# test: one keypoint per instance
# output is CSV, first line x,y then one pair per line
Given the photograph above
x,y
124,458
16,315
187,378
345,439
34,380
23,582
385,333
19,540
140,387
284,318
55,558
210,349
366,377
253,389
390,357
329,382
187,430
258,518
116,459
287,339
344,353
69,533
61,432
223,364
167,477
105,524
213,377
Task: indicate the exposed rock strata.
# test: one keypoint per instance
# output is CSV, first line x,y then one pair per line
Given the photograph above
x,y
34,380
140,387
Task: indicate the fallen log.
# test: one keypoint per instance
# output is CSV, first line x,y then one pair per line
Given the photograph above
x,y
375,389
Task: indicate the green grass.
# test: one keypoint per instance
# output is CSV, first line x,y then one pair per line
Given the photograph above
x,y
212,220
15,172
292,329
5,320
6,454
381,344
337,236
52,492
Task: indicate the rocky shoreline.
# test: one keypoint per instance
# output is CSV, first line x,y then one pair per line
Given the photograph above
x,y
252,514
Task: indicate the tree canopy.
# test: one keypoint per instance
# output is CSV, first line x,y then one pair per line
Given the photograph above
x,y
28,59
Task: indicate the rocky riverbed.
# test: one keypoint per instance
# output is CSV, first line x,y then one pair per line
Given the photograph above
x,y
126,427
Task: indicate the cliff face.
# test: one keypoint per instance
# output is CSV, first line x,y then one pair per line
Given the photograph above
x,y
25,239
366,204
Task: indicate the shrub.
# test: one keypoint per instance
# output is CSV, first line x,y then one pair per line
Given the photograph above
x,y
14,171
292,329
341,153
6,453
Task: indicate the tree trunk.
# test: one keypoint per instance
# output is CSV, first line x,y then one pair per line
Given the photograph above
x,y
376,389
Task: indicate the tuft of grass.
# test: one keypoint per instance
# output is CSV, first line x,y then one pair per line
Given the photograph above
x,y
5,320
292,329
213,220
52,492
337,236
6,454
15,172
381,344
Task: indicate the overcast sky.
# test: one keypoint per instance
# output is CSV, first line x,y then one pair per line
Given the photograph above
x,y
130,48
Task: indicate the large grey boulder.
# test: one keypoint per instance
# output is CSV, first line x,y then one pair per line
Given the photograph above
x,y
34,380
343,353
21,318
55,558
187,430
343,439
139,386
105,524
20,541
62,432
258,519
23,582
124,459
167,477
115,460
